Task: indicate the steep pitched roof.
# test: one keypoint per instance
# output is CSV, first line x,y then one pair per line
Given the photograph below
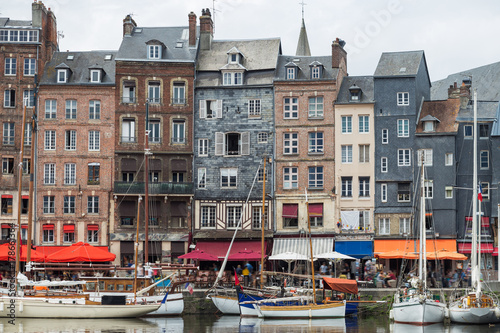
x,y
304,67
8,23
486,111
303,43
445,112
399,63
365,83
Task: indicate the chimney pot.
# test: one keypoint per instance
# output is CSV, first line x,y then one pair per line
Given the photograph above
x,y
192,28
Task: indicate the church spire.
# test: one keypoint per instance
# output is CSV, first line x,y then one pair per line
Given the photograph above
x,y
303,43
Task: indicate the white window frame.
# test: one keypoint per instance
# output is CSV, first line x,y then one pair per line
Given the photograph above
x,y
128,130
364,187
291,143
257,217
384,165
429,189
50,109
29,66
203,147
364,124
315,72
92,236
70,140
69,174
179,92
222,143
346,187
448,192
383,192
290,178
208,217
94,109
448,159
95,75
485,190
290,73
404,157
202,178
385,136
404,226
62,75
10,67
468,128
254,108
49,204
232,178
50,140
403,128
233,216
403,98
71,109
154,128
49,174
69,204
427,157
9,100
384,226
291,108
154,51
316,143
316,177
316,107
364,153
232,78
9,133
346,151
28,134
484,156
154,92
29,98
94,140
210,109
93,204
346,124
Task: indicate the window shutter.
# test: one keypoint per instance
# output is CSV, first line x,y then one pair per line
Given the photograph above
x,y
219,108
219,143
203,109
245,143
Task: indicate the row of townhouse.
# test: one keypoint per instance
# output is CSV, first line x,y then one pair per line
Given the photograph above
x,y
342,151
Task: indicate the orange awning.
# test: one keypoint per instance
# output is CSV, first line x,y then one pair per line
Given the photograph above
x,y
443,254
341,285
402,248
396,254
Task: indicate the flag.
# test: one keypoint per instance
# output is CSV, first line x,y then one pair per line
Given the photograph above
x,y
236,280
480,194
189,287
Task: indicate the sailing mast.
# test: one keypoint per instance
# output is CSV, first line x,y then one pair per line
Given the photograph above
x,y
262,222
474,273
32,179
422,262
136,247
311,249
147,152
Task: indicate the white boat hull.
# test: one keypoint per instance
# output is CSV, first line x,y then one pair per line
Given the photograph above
x,y
42,308
330,310
473,315
248,311
226,304
419,313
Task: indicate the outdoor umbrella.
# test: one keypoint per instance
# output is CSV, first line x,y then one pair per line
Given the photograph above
x,y
81,252
397,254
332,255
5,249
289,257
199,255
445,254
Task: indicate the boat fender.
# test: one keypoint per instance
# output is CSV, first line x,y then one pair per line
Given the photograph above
x,y
446,313
21,306
497,312
1,306
391,314
465,302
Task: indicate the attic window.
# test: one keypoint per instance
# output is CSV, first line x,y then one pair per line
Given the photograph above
x,y
354,93
108,57
62,75
291,73
154,51
429,126
316,72
402,70
138,30
70,57
179,44
95,75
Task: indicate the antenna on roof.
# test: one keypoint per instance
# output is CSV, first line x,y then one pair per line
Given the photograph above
x,y
302,4
213,11
60,34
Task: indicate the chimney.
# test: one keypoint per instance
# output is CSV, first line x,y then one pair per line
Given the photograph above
x,y
206,29
38,11
339,55
464,95
192,29
453,91
128,25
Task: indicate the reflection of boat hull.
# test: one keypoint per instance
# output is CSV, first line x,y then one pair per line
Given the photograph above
x,y
226,304
329,310
332,325
41,308
407,328
81,325
473,315
419,313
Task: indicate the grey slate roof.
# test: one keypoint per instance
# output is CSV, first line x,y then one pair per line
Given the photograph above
x,y
5,22
399,63
486,79
365,83
303,63
303,43
134,47
80,68
495,129
486,111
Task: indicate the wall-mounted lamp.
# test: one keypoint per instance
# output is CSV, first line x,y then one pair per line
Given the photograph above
x,y
238,110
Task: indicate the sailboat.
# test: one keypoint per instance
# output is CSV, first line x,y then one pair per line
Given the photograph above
x,y
416,305
476,307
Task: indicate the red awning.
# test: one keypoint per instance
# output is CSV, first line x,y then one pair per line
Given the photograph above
x,y
48,250
5,226
290,210
25,196
92,227
48,227
485,221
241,250
315,209
6,248
24,226
467,247
199,255
341,285
69,228
81,252
6,196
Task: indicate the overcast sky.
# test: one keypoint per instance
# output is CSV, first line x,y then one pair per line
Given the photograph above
x,y
456,35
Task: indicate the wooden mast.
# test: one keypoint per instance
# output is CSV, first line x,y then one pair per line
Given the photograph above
x,y
146,188
136,247
262,224
311,249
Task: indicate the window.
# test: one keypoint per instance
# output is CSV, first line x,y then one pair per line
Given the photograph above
x,y
364,153
484,159
9,100
346,187
257,217
7,206
29,98
346,153
485,190
207,216
228,177
315,177
48,204
50,108
70,140
202,178
128,130
290,143
290,178
70,109
403,98
364,187
154,93
448,192
254,108
262,137
384,226
26,166
316,143
426,154
68,233
154,131
93,173
10,66
49,174
290,215
48,233
448,159
385,136
316,214
403,128
383,164
404,158
346,124
154,177
28,134
260,174
291,108
8,133
383,192
177,177
202,147
428,189
128,92
69,204
93,204
69,174
364,220
92,233
232,79
62,75
14,36
315,72
316,107
290,73
403,192
95,110
154,51
404,226
178,131
94,140
29,66
50,140
468,131
128,177
179,93
483,131
429,126
364,124
233,216
210,109
95,75
8,165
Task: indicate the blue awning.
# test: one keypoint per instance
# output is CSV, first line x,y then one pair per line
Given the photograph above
x,y
357,249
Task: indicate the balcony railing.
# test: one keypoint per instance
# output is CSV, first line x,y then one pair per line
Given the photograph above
x,y
128,139
154,188
128,99
179,101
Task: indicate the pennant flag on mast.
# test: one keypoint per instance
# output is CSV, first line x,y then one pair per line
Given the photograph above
x,y
480,193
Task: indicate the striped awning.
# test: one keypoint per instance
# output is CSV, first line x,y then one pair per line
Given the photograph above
x,y
301,245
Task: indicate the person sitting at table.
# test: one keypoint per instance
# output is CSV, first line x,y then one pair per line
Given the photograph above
x,y
323,269
389,276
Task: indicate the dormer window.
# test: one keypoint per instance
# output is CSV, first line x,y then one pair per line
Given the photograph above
x,y
354,93
429,126
316,69
154,51
62,75
290,73
232,78
95,75
429,123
